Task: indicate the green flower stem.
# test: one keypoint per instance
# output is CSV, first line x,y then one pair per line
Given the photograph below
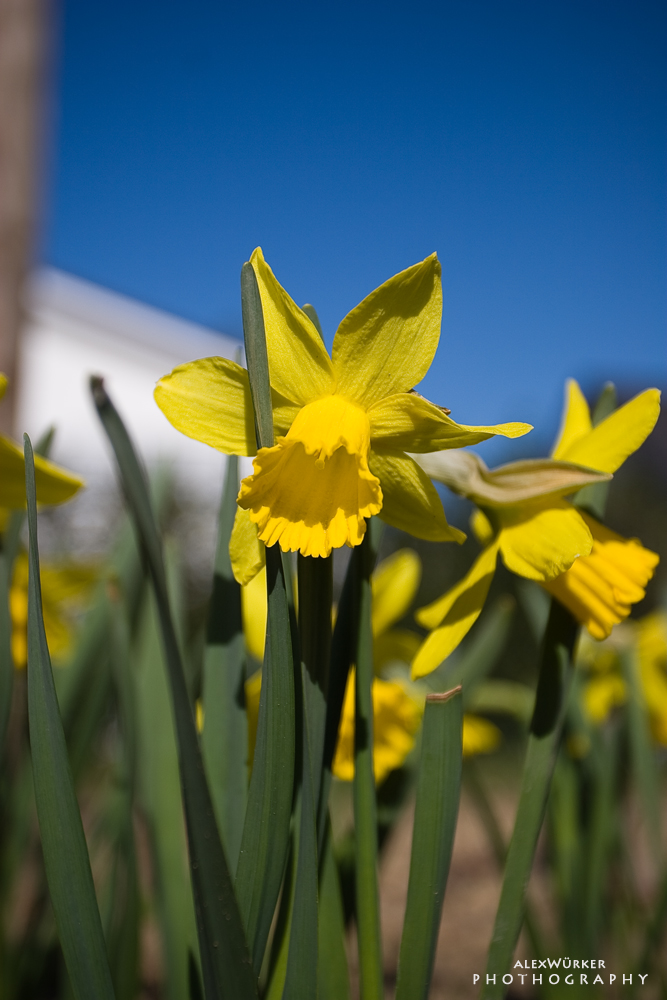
x,y
365,807
63,842
436,810
225,734
315,582
545,732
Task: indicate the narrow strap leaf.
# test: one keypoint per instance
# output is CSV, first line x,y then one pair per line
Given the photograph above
x,y
301,974
436,810
546,727
365,806
266,830
10,541
225,735
256,355
333,978
63,843
225,960
643,761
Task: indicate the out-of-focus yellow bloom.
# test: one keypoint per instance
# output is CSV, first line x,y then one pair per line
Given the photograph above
x,y
396,718
605,687
344,423
64,589
53,485
524,515
479,735
652,656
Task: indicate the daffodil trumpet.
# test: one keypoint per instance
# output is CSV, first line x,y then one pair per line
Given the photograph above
x,y
344,423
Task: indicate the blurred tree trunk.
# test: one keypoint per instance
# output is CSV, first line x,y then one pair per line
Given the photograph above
x,y
22,49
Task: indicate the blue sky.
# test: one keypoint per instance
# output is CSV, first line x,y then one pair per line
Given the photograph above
x,y
522,141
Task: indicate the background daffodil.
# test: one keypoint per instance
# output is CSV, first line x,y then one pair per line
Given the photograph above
x,y
64,591
53,484
541,536
344,423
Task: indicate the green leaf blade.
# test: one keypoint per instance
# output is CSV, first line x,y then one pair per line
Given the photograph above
x,y
436,812
63,842
226,965
225,734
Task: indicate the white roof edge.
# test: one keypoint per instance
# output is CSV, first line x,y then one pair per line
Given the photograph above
x,y
53,291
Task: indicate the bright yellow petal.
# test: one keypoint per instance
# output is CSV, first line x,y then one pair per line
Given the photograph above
x,y
3,384
576,420
408,422
246,552
540,542
209,400
395,583
409,499
253,609
312,491
608,445
454,613
52,484
299,366
387,343
479,735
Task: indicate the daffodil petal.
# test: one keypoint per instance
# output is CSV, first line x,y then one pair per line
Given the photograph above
x,y
576,420
456,612
394,584
484,566
253,611
540,543
53,484
409,499
247,554
209,400
608,445
299,366
386,344
408,422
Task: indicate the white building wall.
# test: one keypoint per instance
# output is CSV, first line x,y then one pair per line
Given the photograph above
x,y
77,329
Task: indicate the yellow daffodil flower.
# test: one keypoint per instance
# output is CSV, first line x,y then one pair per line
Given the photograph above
x,y
53,485
396,719
525,517
600,589
605,687
64,589
344,423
